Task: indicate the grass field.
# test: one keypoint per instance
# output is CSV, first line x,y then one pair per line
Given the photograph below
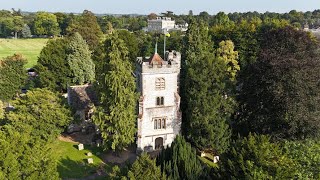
x,y
73,163
29,48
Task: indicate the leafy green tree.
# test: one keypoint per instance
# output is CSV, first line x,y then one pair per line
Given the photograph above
x,y
26,32
116,117
206,104
46,24
43,111
79,60
37,119
145,168
23,158
12,76
226,53
280,91
180,161
255,157
52,67
88,27
307,156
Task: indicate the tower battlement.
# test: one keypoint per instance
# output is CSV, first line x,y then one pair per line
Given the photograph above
x,y
155,64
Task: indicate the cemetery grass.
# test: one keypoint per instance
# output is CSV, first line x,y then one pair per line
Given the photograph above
x,y
28,48
72,163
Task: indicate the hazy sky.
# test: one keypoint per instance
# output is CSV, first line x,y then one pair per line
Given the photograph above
x,y
158,6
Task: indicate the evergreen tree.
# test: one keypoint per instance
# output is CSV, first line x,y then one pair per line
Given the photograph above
x,y
180,161
255,157
145,168
52,67
79,60
116,117
206,104
26,32
12,76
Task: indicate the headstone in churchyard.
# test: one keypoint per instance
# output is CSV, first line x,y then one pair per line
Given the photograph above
x,y
90,161
98,142
215,159
80,147
89,154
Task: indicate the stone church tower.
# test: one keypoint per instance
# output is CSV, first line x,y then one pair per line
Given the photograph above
x,y
159,116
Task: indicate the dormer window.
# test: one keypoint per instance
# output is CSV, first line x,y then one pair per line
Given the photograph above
x,y
160,84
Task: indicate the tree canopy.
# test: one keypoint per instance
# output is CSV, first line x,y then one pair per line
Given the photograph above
x,y
279,96
12,76
79,60
116,117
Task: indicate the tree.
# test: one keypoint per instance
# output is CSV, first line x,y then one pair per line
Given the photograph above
x,y
88,27
26,32
79,60
206,104
17,25
145,168
131,42
43,111
220,19
230,57
37,119
180,161
12,76
279,95
255,157
46,24
52,67
307,156
116,117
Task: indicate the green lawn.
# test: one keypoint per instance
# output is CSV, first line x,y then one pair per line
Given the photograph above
x,y
73,163
29,48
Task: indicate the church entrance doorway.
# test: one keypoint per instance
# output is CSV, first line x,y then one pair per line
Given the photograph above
x,y
159,143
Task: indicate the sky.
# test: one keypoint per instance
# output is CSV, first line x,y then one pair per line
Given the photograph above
x,y
158,6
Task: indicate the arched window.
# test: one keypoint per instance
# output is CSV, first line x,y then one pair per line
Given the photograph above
x,y
160,101
159,123
160,84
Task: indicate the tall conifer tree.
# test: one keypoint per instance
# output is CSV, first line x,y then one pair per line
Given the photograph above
x,y
206,105
79,60
116,117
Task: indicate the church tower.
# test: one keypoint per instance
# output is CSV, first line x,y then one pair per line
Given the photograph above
x,y
159,116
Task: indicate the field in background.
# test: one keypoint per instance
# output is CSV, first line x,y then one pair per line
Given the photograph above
x,y
29,48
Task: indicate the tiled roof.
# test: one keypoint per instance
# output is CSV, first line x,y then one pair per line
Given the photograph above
x,y
156,59
82,96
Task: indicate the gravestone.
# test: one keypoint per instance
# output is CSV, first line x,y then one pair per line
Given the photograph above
x,y
215,159
90,161
89,154
98,142
80,147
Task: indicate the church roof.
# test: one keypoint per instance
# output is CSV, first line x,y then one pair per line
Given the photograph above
x,y
82,96
156,59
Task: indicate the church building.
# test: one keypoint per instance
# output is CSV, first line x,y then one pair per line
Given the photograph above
x,y
159,116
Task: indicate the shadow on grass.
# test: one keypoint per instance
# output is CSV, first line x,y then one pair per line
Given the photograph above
x,y
68,168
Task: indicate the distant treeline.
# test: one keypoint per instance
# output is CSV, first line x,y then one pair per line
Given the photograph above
x,y
15,23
